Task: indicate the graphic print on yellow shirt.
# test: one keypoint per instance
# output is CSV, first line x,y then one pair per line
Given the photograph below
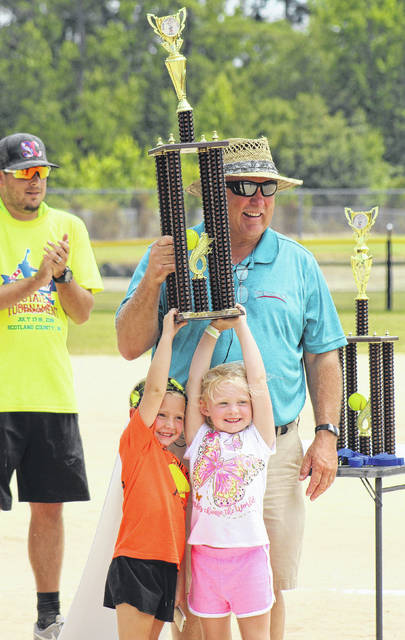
x,y
39,302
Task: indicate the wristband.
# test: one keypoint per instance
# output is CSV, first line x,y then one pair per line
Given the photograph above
x,y
212,331
328,427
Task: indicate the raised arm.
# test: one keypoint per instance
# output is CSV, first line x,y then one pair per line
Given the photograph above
x,y
257,380
137,323
156,380
199,366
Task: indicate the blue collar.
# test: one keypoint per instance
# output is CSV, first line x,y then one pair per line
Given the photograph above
x,y
267,248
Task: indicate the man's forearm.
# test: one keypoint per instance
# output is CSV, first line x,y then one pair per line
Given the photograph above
x,y
137,323
324,378
76,301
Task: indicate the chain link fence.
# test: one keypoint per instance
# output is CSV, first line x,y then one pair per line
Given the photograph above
x,y
118,214
113,215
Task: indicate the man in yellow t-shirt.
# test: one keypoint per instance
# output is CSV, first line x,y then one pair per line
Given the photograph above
x,y
47,274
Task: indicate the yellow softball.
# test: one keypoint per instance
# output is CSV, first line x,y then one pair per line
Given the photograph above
x,y
192,239
357,401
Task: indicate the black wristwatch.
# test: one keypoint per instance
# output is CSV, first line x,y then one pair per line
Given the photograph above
x,y
66,277
328,427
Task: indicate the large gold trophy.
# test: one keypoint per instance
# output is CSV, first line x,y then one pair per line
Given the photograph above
x,y
371,430
214,296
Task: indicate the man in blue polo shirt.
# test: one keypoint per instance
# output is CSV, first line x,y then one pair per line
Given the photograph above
x,y
294,322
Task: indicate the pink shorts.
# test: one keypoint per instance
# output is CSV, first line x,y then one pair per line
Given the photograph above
x,y
235,580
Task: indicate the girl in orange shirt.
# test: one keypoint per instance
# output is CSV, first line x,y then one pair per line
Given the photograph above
x,y
142,582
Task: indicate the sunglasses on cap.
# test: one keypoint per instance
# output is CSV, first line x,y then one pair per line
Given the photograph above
x,y
248,188
28,174
137,392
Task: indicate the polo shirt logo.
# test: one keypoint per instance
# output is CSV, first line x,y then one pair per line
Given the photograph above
x,y
271,294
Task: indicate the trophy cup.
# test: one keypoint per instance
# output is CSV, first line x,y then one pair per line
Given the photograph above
x,y
379,436
212,249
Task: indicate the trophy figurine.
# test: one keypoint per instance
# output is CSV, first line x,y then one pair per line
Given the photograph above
x,y
379,434
361,222
204,297
364,421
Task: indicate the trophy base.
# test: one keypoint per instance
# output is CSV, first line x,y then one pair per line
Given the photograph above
x,y
386,338
208,315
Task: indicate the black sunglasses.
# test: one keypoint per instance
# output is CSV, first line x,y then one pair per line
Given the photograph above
x,y
248,188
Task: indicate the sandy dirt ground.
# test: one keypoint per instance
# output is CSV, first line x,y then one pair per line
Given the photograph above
x,y
335,598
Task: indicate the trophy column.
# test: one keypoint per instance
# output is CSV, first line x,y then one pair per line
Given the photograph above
x,y
208,202
215,210
342,439
162,179
351,387
376,397
388,394
186,125
362,330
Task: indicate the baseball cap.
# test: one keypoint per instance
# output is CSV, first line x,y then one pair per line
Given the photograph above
x,y
21,151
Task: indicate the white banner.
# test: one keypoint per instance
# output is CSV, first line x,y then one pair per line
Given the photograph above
x,y
87,618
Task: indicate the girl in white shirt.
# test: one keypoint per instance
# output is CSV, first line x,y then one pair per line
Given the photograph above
x,y
230,435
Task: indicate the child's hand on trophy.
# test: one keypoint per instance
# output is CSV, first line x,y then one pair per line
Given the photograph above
x,y
232,322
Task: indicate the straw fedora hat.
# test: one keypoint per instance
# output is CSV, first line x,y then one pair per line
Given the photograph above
x,y
249,158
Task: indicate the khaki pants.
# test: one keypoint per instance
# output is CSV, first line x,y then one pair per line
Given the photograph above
x,y
284,510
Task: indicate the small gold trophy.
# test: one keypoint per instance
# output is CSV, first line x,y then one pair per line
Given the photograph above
x,y
361,222
169,29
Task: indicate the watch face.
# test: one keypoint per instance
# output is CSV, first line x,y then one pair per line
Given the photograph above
x,y
328,427
170,26
360,220
67,276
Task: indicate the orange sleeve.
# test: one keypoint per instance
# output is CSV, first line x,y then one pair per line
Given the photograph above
x,y
137,434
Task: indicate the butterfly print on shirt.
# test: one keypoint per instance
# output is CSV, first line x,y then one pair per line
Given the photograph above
x,y
228,477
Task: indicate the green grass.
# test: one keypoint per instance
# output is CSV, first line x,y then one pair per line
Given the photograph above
x,y
379,320
127,253
97,336
340,249
325,249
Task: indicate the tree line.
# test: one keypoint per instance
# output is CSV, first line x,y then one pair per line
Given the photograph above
x,y
324,82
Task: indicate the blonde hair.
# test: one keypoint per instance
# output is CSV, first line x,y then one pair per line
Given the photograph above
x,y
233,372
